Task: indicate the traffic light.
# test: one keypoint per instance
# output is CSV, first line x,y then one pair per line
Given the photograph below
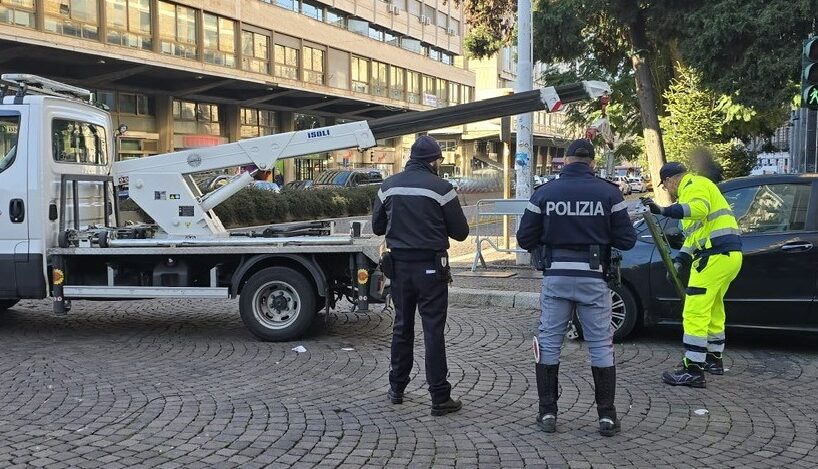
x,y
809,74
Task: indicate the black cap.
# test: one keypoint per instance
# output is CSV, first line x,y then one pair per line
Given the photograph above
x,y
580,147
671,169
425,148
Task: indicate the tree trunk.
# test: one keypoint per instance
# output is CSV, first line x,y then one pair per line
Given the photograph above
x,y
647,105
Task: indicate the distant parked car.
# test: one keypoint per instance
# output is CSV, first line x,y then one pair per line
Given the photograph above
x,y
624,185
298,185
347,178
637,184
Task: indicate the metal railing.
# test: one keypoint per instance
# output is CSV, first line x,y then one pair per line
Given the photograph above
x,y
495,208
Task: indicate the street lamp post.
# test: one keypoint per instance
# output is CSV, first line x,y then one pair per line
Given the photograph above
x,y
522,158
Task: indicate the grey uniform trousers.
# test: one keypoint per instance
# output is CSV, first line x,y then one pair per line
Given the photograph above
x,y
592,300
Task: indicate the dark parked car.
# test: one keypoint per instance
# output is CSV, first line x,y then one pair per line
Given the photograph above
x,y
347,178
298,185
778,283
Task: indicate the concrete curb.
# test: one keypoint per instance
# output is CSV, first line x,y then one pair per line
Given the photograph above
x,y
498,298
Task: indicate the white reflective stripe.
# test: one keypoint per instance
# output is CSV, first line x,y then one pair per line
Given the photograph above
x,y
418,192
717,336
685,210
718,213
724,232
694,227
715,348
533,208
696,357
574,266
620,206
693,340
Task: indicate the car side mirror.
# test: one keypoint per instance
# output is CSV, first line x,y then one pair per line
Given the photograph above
x,y
675,237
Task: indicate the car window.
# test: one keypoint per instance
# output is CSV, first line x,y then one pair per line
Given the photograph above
x,y
773,208
78,142
9,131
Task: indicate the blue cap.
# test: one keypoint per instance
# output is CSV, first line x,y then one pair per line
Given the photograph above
x,y
671,169
425,148
580,147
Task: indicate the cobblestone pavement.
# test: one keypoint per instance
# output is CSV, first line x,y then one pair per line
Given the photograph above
x,y
182,384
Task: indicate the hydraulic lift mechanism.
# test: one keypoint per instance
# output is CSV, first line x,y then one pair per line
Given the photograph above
x,y
161,185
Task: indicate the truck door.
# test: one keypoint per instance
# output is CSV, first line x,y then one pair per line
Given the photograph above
x,y
14,206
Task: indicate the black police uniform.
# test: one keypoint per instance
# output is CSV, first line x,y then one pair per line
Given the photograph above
x,y
418,212
575,220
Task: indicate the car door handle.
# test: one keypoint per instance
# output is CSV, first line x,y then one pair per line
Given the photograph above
x,y
796,247
17,210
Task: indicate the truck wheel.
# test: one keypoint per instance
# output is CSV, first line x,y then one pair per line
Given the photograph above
x,y
623,319
277,303
6,304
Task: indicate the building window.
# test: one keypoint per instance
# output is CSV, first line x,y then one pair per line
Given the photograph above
x,y
219,40
454,93
391,38
447,145
396,82
429,91
441,94
454,26
442,20
434,54
135,104
358,27
336,18
129,23
313,10
256,123
412,45
255,50
414,7
78,142
447,58
468,94
291,5
286,62
17,12
313,65
177,30
429,11
376,33
413,87
196,118
360,74
72,18
380,79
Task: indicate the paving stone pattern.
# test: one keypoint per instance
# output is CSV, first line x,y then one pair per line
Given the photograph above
x,y
182,384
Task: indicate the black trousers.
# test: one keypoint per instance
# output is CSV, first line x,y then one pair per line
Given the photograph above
x,y
416,285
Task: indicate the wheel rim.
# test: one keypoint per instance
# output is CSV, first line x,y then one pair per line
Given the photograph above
x,y
619,310
276,305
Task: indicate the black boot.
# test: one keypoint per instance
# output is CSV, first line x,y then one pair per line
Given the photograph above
x,y
451,405
547,389
714,363
395,396
688,373
605,391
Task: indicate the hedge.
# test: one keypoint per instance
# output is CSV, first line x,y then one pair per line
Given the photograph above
x,y
252,207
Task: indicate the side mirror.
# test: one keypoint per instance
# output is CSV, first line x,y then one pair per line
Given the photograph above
x,y
675,237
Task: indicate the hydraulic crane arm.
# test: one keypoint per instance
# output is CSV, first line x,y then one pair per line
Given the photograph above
x,y
161,187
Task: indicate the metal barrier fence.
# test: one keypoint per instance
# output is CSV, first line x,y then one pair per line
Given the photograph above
x,y
495,208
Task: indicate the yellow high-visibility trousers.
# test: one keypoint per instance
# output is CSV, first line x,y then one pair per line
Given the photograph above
x,y
703,317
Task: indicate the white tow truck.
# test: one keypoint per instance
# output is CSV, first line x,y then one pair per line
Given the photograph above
x,y
61,236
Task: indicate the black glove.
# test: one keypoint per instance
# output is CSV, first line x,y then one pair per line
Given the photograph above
x,y
655,209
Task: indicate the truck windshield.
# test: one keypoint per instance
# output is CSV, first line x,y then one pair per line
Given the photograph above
x,y
9,130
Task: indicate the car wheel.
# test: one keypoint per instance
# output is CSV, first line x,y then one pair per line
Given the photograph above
x,y
278,304
623,319
6,304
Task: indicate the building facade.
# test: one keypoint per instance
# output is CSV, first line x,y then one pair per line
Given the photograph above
x,y
197,73
478,146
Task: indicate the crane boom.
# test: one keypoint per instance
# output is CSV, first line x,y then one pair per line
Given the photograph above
x,y
160,184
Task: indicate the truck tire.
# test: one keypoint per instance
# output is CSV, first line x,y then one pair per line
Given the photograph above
x,y
6,304
277,304
625,314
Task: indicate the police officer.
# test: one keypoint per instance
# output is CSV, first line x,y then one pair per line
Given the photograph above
x,y
574,221
418,212
712,247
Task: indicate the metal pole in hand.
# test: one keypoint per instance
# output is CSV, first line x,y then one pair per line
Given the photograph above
x,y
522,160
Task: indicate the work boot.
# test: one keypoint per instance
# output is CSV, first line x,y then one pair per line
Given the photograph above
x,y
547,390
451,405
605,391
714,364
688,373
395,396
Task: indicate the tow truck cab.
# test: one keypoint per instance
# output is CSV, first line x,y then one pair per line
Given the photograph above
x,y
48,144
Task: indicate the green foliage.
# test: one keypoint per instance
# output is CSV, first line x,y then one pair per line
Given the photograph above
x,y
252,206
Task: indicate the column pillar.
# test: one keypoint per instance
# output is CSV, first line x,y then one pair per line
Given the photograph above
x,y
286,123
164,122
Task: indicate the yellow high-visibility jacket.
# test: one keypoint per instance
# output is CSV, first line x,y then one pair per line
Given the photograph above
x,y
707,220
